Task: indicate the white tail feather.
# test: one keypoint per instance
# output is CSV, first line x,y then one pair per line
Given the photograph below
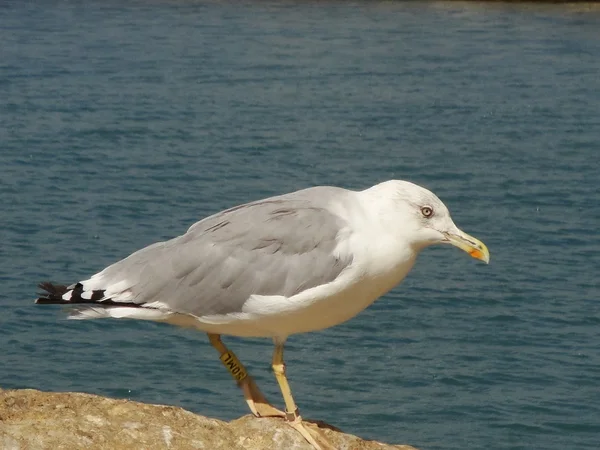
x,y
118,312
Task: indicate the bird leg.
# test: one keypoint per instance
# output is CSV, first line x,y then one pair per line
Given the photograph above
x,y
257,402
292,413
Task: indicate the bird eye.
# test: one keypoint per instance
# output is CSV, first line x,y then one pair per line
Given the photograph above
x,y
427,211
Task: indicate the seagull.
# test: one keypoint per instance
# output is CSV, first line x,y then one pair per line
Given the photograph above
x,y
293,263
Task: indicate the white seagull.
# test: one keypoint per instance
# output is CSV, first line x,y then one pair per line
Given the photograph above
x,y
288,264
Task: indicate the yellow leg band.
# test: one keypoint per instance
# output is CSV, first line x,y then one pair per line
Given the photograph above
x,y
234,366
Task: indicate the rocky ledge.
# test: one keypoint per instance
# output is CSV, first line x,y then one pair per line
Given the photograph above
x,y
33,420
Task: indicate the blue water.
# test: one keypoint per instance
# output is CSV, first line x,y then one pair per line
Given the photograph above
x,y
121,123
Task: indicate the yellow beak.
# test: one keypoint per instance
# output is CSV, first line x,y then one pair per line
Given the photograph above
x,y
469,244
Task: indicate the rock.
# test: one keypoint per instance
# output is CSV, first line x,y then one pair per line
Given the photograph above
x,y
35,420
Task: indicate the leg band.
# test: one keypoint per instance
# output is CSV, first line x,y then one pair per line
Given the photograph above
x,y
291,416
234,366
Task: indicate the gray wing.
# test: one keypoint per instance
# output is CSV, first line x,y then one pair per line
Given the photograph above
x,y
278,246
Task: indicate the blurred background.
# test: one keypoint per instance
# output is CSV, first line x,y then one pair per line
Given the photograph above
x,y
122,123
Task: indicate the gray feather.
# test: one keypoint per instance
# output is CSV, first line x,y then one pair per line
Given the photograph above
x,y
277,246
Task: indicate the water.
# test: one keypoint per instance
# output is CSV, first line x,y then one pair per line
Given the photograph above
x,y
121,123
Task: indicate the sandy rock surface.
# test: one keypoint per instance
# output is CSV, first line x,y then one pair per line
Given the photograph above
x,y
35,420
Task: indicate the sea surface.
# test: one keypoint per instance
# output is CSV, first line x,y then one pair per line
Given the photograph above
x,y
122,123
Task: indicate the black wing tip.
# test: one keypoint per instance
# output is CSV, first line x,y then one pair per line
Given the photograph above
x,y
52,289
50,301
52,295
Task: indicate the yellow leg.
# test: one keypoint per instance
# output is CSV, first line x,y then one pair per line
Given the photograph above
x,y
292,414
255,399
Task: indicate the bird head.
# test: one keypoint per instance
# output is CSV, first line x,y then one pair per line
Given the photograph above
x,y
424,218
